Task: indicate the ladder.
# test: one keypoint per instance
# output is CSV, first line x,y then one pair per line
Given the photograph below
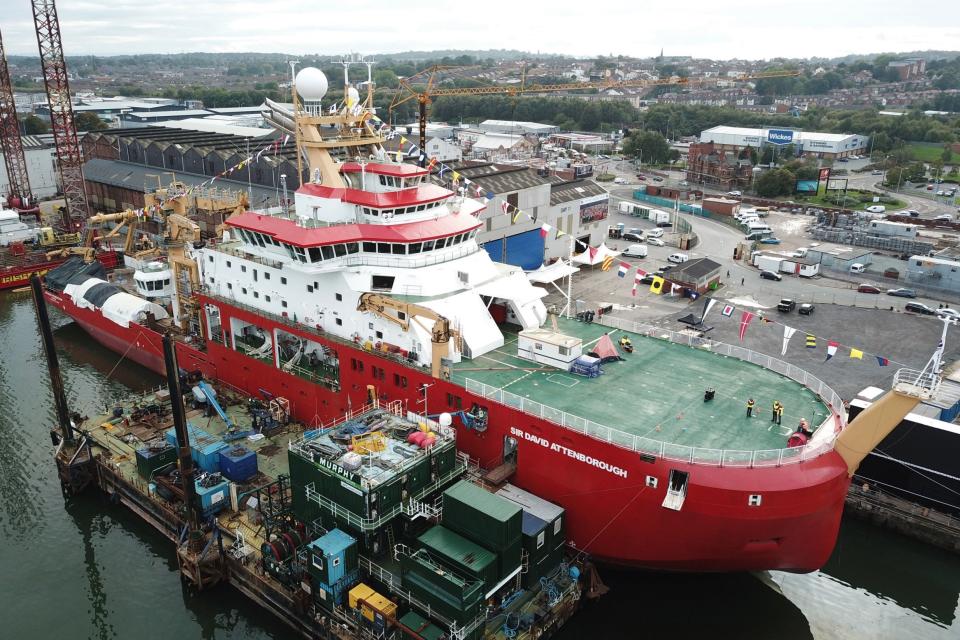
x,y
391,539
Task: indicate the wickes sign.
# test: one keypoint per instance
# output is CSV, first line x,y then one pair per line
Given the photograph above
x,y
779,136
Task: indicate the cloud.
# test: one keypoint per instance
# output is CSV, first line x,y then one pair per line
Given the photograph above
x,y
704,28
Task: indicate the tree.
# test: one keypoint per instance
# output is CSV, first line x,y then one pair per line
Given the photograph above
x,y
947,154
87,121
773,183
648,146
32,125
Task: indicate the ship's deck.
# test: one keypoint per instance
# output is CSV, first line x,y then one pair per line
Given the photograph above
x,y
657,391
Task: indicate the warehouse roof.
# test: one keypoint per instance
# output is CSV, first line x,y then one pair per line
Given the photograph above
x,y
694,270
800,135
574,190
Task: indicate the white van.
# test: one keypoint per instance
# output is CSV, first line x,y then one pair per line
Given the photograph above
x,y
857,267
654,233
876,208
678,258
636,251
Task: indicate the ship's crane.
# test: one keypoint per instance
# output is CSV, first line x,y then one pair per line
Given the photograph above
x,y
54,67
401,313
19,194
426,93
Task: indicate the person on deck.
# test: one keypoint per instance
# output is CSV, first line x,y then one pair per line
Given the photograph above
x,y
750,404
774,412
779,412
804,428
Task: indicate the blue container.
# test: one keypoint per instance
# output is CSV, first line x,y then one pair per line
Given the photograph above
x,y
328,595
213,499
238,463
332,556
204,448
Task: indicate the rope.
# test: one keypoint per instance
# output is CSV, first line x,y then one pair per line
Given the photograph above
x,y
139,333
582,553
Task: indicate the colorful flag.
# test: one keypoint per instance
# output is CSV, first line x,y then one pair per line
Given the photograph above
x,y
727,310
633,290
559,233
674,287
504,206
515,217
456,176
883,362
811,341
656,285
403,140
744,323
831,349
856,354
545,230
622,270
787,334
607,262
592,251
640,273
479,191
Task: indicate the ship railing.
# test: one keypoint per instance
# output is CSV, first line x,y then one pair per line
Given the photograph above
x,y
267,262
408,262
371,524
822,441
389,580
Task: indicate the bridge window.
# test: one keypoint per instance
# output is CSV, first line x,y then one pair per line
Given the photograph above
x,y
369,247
382,283
383,247
353,247
428,246
399,249
414,248
340,250
327,252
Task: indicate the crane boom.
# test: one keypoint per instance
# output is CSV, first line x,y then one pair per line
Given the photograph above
x,y
10,143
69,157
425,95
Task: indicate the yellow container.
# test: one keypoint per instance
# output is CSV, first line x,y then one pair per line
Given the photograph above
x,y
373,602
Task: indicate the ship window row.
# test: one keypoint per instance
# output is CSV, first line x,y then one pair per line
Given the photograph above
x,y
259,239
333,251
399,183
387,213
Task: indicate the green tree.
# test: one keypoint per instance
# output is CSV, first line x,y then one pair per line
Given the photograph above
x,y
947,154
648,146
87,121
775,182
32,125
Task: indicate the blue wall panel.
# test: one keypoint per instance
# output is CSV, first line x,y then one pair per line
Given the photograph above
x,y
524,250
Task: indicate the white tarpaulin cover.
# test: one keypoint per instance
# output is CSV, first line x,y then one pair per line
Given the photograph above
x,y
77,291
556,271
598,256
524,298
124,308
467,312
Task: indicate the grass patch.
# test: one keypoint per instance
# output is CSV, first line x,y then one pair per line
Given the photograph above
x,y
856,200
926,151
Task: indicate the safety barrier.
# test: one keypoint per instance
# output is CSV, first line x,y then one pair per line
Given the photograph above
x,y
821,442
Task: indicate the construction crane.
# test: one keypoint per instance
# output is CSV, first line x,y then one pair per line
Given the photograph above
x,y
401,313
425,95
54,67
19,194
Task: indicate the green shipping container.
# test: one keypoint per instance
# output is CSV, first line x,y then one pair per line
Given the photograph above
x,y
448,594
149,459
461,555
421,626
488,520
509,559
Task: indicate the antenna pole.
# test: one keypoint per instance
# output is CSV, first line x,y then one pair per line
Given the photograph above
x,y
296,118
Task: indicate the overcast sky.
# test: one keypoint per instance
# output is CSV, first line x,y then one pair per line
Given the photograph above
x,y
704,28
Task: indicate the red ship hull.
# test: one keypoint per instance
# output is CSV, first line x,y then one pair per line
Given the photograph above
x,y
612,513
17,273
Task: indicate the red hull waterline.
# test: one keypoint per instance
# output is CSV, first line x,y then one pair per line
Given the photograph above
x,y
612,512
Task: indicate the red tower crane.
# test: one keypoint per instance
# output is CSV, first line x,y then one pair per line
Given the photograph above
x,y
19,193
70,159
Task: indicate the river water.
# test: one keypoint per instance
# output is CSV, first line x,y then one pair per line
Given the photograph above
x,y
84,568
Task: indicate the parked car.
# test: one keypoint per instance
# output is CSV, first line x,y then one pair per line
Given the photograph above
x,y
843,160
634,235
647,279
619,180
636,251
857,267
735,194
902,293
640,176
664,268
947,312
946,217
657,179
684,183
876,172
875,208
657,242
868,288
917,307
654,233
770,275
805,309
678,258
941,192
786,305
929,187
913,212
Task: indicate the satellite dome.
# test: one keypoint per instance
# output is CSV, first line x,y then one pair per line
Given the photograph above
x,y
311,84
353,97
445,419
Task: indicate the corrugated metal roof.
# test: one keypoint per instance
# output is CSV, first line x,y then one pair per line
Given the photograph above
x,y
501,178
137,177
568,191
482,500
455,547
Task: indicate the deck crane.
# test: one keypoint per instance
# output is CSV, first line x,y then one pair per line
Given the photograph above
x,y
420,87
19,194
401,313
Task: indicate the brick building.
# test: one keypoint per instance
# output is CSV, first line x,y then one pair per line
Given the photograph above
x,y
708,164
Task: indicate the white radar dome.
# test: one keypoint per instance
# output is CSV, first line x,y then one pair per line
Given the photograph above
x,y
311,84
445,419
353,97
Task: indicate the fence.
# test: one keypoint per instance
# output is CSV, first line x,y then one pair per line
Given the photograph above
x,y
821,442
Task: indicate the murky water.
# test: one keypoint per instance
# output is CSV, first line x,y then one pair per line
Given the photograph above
x,y
85,568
